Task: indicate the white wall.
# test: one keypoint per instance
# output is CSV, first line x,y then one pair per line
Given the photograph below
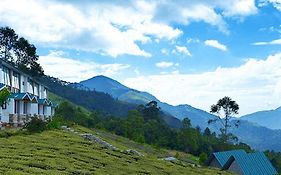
x,y
9,110
48,111
34,109
1,75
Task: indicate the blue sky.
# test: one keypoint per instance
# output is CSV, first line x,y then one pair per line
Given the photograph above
x,y
192,52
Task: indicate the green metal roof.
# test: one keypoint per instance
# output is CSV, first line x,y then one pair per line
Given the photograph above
x,y
252,164
223,157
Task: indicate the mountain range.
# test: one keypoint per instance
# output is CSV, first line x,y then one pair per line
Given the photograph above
x,y
257,129
270,118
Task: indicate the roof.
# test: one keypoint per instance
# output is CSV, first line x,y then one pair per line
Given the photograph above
x,y
43,101
20,96
252,163
2,86
223,157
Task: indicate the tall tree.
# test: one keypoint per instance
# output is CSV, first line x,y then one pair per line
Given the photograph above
x,y
19,48
8,38
225,109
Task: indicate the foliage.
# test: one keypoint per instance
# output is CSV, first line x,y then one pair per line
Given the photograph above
x,y
12,46
275,158
202,158
4,95
35,125
144,125
228,107
60,152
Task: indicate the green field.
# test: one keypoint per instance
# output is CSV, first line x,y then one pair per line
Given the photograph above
x,y
63,152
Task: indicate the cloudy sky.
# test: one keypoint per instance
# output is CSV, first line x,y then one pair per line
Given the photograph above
x,y
183,52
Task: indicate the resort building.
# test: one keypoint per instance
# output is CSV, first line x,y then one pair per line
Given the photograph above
x,y
242,163
28,97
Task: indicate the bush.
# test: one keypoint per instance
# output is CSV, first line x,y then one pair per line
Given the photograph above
x,y
36,125
202,158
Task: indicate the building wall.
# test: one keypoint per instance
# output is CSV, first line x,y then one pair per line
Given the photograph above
x,y
234,167
215,163
34,109
40,109
48,111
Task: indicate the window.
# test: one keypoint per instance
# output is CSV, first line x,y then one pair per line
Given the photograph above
x,y
4,105
30,86
25,107
6,76
16,80
36,89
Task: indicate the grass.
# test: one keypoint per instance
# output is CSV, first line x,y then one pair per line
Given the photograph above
x,y
62,152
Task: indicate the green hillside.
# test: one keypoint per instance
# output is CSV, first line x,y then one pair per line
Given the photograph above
x,y
63,152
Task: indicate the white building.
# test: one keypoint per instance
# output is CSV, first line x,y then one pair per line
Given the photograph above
x,y
28,97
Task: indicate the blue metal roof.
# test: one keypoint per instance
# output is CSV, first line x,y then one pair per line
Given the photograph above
x,y
20,96
223,157
2,86
43,101
252,164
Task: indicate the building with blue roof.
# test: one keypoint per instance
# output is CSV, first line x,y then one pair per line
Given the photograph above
x,y
240,162
28,97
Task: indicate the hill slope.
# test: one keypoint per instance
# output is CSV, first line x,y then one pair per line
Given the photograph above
x,y
104,84
61,152
248,132
270,118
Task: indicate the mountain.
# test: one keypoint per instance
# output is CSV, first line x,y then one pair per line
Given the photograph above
x,y
104,84
270,118
107,85
257,136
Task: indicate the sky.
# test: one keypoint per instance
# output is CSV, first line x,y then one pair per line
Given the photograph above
x,y
182,51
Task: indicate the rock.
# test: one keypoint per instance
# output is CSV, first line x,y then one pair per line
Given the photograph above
x,y
64,127
132,151
170,159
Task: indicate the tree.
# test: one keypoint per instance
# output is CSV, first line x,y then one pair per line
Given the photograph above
x,y
8,38
4,95
225,109
186,123
12,47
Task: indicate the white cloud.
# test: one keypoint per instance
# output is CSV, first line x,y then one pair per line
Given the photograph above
x,y
275,3
100,27
273,42
238,7
165,51
182,50
164,64
112,28
215,44
255,85
72,70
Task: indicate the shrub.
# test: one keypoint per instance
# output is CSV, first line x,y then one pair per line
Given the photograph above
x,y
36,125
202,158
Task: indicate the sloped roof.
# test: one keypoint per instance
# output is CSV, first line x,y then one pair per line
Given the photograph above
x,y
2,86
20,96
223,157
252,164
33,97
43,101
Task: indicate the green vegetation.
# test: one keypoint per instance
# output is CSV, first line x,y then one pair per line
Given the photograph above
x,y
4,95
12,46
144,125
61,152
225,109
